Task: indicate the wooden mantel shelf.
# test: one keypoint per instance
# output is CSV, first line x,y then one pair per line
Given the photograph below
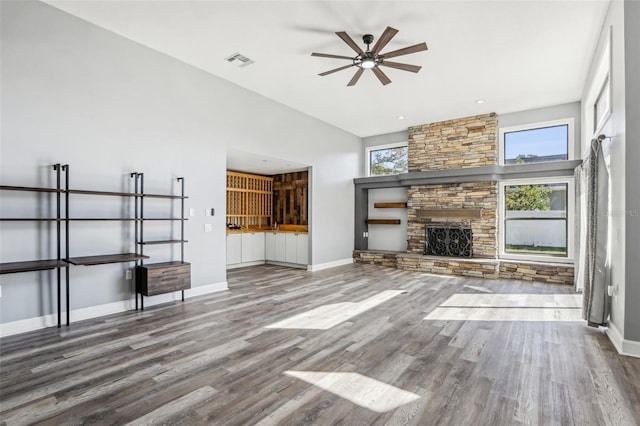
x,y
401,205
451,213
383,221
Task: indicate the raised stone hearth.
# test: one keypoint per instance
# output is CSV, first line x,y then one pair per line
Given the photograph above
x,y
442,190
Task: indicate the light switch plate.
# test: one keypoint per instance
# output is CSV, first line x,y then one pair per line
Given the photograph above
x,y
192,212
208,227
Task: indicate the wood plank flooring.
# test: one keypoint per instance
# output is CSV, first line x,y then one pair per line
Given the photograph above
x,y
221,359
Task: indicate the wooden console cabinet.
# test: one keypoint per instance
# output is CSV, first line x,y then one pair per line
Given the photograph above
x,y
159,278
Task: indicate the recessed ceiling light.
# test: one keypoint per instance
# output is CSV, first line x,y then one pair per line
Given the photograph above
x,y
401,117
264,161
479,101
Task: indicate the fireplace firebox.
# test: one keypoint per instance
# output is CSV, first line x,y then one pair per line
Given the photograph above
x,y
453,240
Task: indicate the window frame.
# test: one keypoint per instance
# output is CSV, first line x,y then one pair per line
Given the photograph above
x,y
367,153
502,254
569,122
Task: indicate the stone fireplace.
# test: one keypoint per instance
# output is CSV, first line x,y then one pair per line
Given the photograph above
x,y
451,182
447,145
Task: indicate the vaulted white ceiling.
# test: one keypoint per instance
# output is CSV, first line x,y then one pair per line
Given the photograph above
x,y
515,55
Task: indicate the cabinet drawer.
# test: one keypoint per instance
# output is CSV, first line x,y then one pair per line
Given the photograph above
x,y
163,278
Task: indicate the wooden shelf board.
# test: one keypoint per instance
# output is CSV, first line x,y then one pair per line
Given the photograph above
x,y
400,205
29,188
98,219
104,259
383,221
162,242
164,218
30,219
451,213
32,265
108,193
172,197
164,264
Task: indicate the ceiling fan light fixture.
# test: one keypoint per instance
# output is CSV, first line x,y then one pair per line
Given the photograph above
x,y
368,63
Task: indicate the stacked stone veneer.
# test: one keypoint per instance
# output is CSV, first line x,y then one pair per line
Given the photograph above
x,y
456,144
473,195
453,144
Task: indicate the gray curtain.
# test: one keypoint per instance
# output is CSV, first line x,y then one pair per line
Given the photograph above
x,y
595,273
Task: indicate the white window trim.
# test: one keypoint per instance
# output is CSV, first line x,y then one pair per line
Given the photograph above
x,y
600,76
367,153
569,258
532,126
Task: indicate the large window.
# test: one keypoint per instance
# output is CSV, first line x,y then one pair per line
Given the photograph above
x,y
535,218
387,159
539,143
536,215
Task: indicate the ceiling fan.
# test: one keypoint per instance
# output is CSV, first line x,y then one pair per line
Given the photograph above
x,y
372,58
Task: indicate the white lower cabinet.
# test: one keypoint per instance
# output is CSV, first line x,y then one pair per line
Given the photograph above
x,y
302,249
252,247
271,246
297,250
234,249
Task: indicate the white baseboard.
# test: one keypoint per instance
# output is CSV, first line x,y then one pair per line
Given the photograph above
x,y
242,265
328,265
51,320
623,346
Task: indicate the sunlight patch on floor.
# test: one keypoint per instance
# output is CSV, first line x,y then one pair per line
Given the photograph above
x,y
509,307
328,316
515,300
361,390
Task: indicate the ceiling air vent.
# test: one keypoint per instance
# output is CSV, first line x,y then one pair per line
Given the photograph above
x,y
239,60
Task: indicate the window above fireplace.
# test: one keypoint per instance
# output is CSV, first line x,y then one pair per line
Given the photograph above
x,y
390,159
536,143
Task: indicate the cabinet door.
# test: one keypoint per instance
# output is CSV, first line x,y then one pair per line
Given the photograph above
x,y
291,249
234,248
258,246
302,249
270,245
247,247
281,244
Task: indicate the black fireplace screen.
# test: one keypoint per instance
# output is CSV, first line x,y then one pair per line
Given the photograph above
x,y
449,240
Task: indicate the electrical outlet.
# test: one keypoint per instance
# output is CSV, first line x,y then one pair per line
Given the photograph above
x,y
208,227
127,274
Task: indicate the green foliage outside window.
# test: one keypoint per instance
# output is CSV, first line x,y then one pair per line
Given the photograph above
x,y
389,161
528,197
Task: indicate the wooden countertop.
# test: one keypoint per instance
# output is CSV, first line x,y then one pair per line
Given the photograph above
x,y
275,231
282,229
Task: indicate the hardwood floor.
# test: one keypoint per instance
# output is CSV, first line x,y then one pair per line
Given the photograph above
x,y
377,348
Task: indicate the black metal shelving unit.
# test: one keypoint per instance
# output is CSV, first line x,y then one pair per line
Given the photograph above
x,y
158,278
42,264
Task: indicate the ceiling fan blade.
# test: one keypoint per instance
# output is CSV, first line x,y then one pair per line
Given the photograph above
x,y
325,55
404,67
405,51
356,77
336,69
381,76
385,38
352,44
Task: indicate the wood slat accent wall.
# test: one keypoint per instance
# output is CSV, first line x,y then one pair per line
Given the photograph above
x,y
249,200
290,198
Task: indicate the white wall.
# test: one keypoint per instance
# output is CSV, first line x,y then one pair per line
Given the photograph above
x,y
614,127
78,94
388,237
